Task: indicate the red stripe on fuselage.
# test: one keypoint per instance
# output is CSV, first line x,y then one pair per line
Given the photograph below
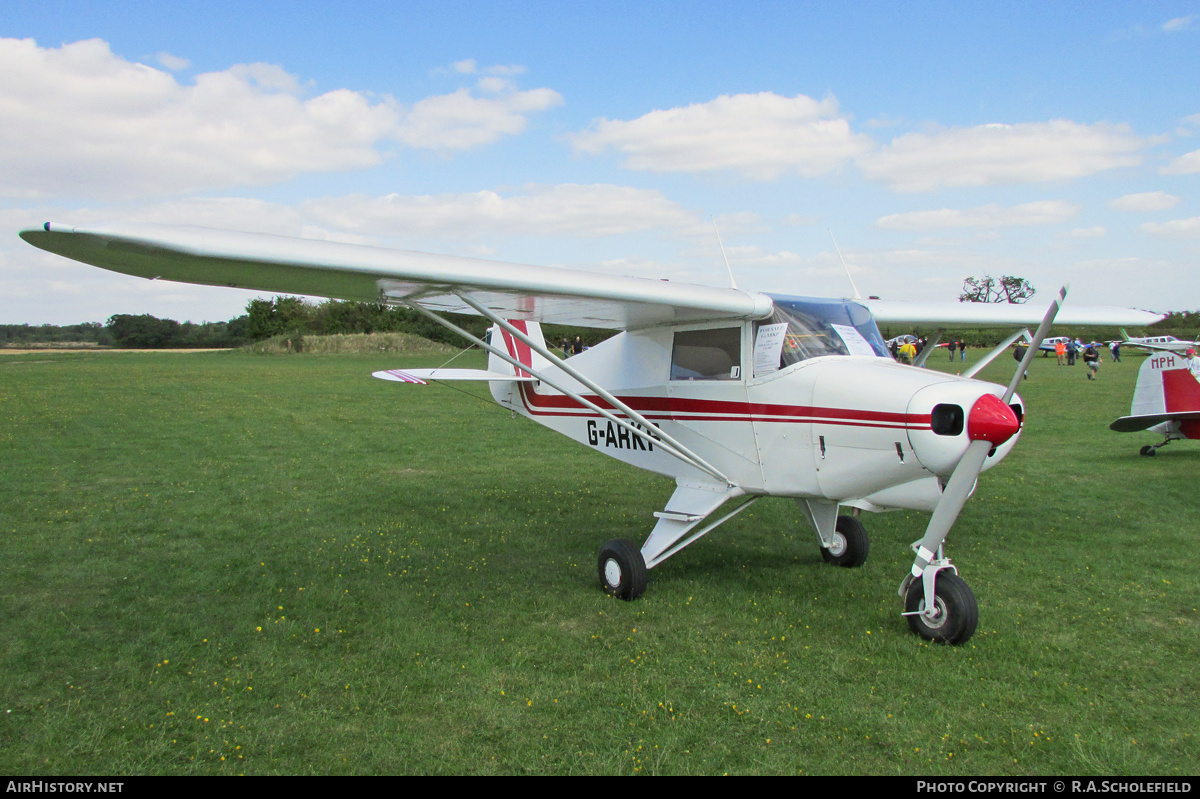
x,y
682,409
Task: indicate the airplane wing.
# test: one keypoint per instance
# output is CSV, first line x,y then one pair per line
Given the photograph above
x,y
369,274
313,267
984,314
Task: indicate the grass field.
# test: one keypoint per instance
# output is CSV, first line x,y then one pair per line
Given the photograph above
x,y
221,563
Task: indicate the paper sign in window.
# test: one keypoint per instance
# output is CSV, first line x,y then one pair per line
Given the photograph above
x,y
768,344
855,342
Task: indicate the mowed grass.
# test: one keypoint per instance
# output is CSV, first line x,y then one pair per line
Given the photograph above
x,y
230,564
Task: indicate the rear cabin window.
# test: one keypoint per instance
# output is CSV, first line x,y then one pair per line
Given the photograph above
x,y
707,354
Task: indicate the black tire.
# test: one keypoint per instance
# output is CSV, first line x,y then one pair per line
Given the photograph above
x,y
958,613
622,569
850,544
1147,450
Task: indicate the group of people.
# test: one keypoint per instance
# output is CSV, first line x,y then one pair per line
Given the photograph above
x,y
1066,351
906,351
570,348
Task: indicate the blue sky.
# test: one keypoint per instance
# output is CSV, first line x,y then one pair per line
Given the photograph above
x,y
1057,142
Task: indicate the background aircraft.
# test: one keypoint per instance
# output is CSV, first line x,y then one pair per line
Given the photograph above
x,y
1158,343
1047,345
736,395
1166,400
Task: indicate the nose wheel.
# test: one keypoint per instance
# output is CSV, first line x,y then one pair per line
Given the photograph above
x,y
954,615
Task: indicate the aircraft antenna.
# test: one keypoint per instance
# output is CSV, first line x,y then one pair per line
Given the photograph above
x,y
856,296
728,268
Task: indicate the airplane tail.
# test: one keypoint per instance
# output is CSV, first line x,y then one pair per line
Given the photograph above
x,y
1166,391
517,349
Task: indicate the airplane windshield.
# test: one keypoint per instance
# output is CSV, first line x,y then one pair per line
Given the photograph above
x,y
801,328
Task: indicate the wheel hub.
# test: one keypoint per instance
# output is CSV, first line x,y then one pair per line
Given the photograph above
x,y
935,618
838,547
612,572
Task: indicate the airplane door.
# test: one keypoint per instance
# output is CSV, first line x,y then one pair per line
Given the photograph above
x,y
708,400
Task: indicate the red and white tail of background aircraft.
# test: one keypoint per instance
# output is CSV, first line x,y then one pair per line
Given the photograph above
x,y
735,395
1166,399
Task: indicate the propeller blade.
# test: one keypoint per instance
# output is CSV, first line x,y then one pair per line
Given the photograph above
x,y
954,496
1036,342
989,424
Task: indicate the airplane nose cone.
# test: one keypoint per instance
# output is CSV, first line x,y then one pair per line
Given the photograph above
x,y
960,413
991,420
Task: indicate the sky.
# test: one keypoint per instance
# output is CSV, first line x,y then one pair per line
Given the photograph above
x,y
932,141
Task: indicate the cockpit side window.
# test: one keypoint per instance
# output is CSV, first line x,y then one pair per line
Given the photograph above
x,y
707,354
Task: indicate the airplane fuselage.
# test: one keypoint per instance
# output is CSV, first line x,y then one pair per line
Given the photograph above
x,y
841,427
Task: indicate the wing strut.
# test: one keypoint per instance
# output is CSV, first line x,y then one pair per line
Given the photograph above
x,y
976,368
930,345
660,438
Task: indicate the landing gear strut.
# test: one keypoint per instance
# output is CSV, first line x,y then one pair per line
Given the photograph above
x,y
1152,449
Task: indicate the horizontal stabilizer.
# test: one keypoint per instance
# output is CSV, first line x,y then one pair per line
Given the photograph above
x,y
1131,424
423,376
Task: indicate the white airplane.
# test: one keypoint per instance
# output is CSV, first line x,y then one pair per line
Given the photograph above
x,y
1159,343
1047,345
1166,400
736,395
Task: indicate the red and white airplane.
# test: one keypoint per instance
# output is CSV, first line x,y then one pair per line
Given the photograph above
x,y
1166,399
736,395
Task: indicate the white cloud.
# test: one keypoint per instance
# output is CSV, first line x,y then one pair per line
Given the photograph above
x,y
990,155
461,120
1179,23
1145,201
1045,212
1187,164
1175,229
563,210
1097,232
762,136
172,62
81,121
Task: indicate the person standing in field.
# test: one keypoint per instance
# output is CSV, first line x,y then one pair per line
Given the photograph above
x,y
1091,359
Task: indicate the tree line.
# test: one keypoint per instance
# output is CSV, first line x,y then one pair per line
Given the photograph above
x,y
295,318
290,317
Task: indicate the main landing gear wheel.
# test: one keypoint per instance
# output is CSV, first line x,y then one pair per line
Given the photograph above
x,y
622,569
957,613
850,544
1147,450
